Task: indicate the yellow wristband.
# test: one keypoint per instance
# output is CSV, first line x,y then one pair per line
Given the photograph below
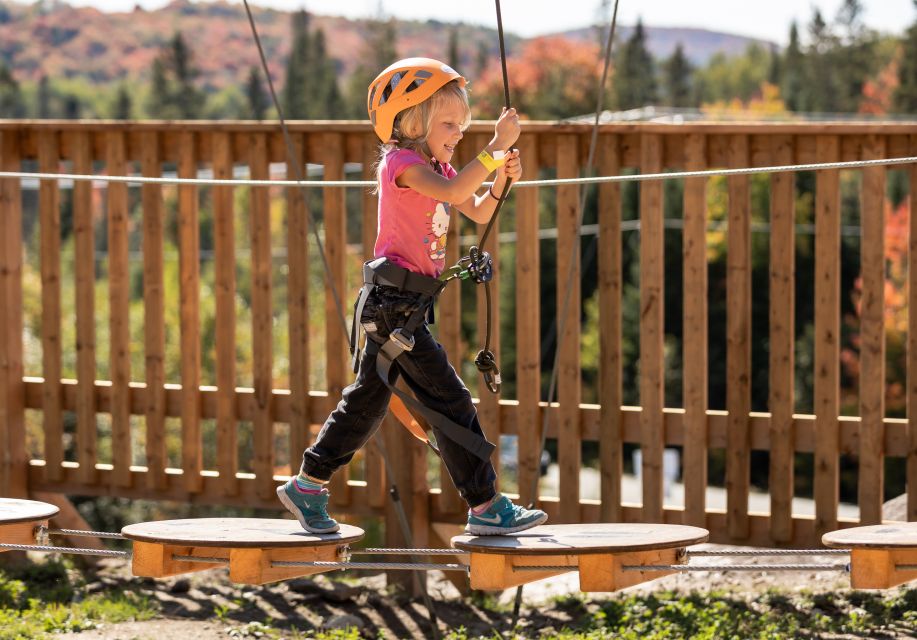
x,y
490,163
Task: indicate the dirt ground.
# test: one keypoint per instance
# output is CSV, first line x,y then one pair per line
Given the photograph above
x,y
206,606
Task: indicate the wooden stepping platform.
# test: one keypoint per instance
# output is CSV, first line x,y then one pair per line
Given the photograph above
x,y
878,553
598,551
20,518
249,545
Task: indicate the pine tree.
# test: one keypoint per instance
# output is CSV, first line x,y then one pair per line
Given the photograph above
x,y
188,98
325,97
173,90
295,102
379,51
906,94
254,93
123,106
793,79
454,60
11,103
678,79
775,69
635,80
159,100
44,97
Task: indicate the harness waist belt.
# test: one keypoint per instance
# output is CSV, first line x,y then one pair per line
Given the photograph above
x,y
382,272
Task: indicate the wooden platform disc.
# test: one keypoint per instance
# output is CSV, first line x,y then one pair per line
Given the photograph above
x,y
578,539
252,533
13,510
900,535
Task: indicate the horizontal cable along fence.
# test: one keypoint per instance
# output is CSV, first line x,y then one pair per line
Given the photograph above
x,y
173,427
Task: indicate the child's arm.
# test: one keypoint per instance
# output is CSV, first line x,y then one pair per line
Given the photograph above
x,y
481,208
461,189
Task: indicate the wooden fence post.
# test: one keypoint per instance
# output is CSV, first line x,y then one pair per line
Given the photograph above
x,y
13,460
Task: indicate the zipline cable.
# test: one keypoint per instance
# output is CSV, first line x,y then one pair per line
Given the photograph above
x,y
551,182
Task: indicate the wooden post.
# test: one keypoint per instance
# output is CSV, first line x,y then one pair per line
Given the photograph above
x,y
782,340
189,251
225,282
827,336
529,419
652,302
375,467
336,356
569,383
49,215
738,344
262,320
611,380
14,467
154,329
694,257
872,337
119,311
83,231
298,305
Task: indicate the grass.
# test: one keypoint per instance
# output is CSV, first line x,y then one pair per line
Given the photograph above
x,y
42,599
719,615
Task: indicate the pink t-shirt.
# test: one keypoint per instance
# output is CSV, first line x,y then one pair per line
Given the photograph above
x,y
412,227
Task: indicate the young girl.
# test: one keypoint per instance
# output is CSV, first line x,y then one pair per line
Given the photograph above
x,y
419,109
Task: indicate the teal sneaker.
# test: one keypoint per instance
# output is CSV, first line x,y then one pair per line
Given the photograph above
x,y
311,509
503,517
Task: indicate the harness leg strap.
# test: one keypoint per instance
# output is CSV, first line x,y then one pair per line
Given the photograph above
x,y
473,443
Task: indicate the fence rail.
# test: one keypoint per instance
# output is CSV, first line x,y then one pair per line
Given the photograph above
x,y
239,224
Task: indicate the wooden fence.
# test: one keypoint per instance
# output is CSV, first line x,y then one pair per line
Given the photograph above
x,y
150,148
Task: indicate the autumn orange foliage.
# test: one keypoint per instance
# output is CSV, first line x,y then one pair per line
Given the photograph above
x,y
551,78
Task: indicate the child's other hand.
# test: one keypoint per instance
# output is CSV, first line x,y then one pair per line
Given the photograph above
x,y
512,168
507,130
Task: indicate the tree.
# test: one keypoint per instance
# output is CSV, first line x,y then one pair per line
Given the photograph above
x,y
44,97
295,101
123,106
635,80
188,98
906,94
552,78
793,80
254,93
454,59
677,79
379,51
11,103
173,92
325,97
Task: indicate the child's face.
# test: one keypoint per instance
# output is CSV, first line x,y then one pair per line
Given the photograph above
x,y
446,131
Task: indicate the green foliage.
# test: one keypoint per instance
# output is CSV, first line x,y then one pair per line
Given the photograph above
x,y
174,92
635,80
677,79
258,103
11,103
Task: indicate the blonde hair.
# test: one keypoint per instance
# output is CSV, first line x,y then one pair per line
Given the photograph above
x,y
413,124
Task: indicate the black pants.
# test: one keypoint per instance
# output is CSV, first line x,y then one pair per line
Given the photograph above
x,y
364,403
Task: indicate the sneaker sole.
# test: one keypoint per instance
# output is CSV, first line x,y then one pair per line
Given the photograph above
x,y
485,530
286,502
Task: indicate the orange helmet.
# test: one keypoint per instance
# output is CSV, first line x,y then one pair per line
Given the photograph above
x,y
402,85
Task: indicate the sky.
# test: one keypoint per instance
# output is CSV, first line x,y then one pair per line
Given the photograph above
x,y
765,19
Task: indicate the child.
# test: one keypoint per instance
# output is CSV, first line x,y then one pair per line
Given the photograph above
x,y
419,109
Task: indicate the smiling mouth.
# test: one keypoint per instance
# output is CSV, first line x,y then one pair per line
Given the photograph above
x,y
450,149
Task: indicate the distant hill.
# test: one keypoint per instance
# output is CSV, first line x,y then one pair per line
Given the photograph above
x,y
55,39
699,44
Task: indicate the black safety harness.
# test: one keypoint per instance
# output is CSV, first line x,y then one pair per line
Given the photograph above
x,y
400,340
